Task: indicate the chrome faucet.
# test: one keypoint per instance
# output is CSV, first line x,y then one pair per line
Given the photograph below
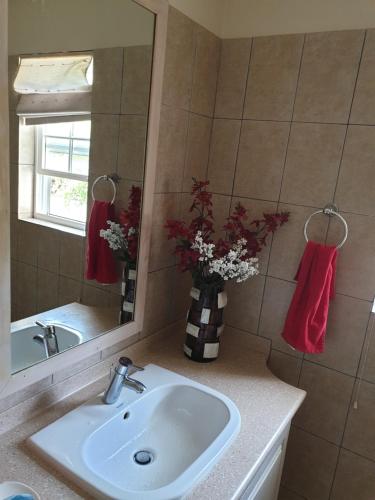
x,y
121,379
48,338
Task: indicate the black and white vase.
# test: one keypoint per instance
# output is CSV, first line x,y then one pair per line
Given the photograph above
x,y
205,322
128,286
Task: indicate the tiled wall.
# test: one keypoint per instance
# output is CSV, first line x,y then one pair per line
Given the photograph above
x,y
293,130
48,264
192,63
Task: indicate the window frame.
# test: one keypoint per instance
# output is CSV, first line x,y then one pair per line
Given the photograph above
x,y
40,172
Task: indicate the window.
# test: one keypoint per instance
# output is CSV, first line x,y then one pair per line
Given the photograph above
x,y
61,172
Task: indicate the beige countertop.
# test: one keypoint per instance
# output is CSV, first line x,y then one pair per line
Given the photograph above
x,y
266,405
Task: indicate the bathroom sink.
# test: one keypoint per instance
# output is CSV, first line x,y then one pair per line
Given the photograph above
x,y
155,445
26,352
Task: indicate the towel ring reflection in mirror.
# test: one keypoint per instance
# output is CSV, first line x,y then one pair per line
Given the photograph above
x,y
113,179
330,210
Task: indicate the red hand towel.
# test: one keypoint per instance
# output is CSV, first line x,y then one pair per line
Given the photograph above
x,y
306,322
100,261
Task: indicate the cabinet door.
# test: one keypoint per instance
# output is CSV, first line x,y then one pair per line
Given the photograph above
x,y
267,486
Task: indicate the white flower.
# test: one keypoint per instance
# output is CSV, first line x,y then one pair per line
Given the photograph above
x,y
233,266
206,250
114,235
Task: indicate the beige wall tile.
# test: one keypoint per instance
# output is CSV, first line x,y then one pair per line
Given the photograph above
x,y
159,301
14,223
49,249
181,295
46,290
288,243
325,408
136,81
166,206
276,301
355,264
206,67
27,244
94,296
179,60
223,155
354,478
356,185
285,494
272,82
231,84
363,108
71,256
285,367
26,287
261,159
312,163
106,90
103,149
244,303
132,147
328,73
171,153
69,290
256,209
221,208
359,434
197,149
346,329
309,465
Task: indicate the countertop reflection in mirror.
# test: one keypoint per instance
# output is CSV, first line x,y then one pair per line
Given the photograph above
x,y
79,91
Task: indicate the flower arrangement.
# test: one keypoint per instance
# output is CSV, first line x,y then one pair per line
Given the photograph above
x,y
232,258
123,236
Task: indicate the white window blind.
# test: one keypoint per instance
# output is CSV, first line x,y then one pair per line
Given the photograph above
x,y
54,89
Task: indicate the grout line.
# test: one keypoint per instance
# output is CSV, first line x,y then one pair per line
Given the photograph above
x,y
315,435
348,121
229,118
290,123
266,200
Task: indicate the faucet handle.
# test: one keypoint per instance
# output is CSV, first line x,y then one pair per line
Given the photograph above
x,y
128,363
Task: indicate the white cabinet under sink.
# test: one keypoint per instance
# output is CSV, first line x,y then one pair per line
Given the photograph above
x,y
266,481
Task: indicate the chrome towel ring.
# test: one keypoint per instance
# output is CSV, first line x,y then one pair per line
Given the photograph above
x,y
104,178
330,210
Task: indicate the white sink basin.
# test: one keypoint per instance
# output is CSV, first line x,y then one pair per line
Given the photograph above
x,y
183,427
26,352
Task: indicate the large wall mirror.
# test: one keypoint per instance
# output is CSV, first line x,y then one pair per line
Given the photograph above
x,y
79,94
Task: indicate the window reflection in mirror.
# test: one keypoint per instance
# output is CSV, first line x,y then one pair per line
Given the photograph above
x,y
78,124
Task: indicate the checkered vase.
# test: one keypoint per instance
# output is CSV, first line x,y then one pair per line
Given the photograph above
x,y
205,322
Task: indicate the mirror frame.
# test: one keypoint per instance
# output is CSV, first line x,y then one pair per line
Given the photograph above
x,y
10,383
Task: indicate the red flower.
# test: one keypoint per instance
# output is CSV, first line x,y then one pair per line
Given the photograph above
x,y
255,233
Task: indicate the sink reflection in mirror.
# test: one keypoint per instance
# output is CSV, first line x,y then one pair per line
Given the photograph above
x,y
70,128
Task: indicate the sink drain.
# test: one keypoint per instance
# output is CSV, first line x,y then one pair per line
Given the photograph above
x,y
143,457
